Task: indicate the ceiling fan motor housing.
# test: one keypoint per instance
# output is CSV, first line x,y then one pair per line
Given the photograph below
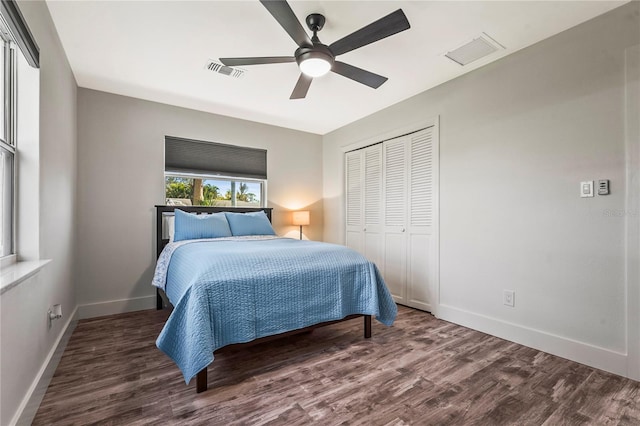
x,y
318,51
315,22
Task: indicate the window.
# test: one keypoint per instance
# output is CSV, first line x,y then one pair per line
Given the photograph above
x,y
182,190
7,144
16,46
200,173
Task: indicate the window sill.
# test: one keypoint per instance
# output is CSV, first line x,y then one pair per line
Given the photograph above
x,y
7,261
14,274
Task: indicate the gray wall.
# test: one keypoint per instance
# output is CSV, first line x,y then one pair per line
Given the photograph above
x,y
120,174
26,338
516,138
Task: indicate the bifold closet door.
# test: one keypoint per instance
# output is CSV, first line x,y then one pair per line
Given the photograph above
x,y
364,202
372,205
395,210
420,236
354,179
408,199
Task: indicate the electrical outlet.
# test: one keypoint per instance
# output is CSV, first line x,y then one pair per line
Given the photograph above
x,y
54,313
509,298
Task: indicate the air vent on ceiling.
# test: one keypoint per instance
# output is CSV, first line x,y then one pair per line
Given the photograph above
x,y
224,70
477,48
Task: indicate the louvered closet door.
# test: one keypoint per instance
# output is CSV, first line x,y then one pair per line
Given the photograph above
x,y
420,235
395,208
354,199
373,229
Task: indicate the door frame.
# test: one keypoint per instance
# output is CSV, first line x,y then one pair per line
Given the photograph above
x,y
632,209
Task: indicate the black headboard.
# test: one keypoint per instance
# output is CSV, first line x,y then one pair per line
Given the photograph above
x,y
161,242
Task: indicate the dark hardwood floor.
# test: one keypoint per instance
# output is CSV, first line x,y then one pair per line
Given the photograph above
x,y
421,371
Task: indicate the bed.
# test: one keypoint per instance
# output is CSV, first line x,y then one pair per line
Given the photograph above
x,y
247,286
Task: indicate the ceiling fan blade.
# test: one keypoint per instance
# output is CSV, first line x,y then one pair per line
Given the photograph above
x,y
281,10
234,62
302,87
384,27
358,74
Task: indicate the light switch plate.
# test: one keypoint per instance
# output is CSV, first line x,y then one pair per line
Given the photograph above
x,y
586,189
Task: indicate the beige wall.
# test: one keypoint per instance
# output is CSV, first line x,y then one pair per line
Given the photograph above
x,y
120,173
516,138
27,341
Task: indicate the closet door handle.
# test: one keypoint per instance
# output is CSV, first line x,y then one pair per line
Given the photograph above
x,y
364,229
402,229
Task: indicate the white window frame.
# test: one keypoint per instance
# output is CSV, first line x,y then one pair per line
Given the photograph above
x,y
8,143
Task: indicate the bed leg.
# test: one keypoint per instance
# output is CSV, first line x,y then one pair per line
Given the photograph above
x,y
159,304
367,326
201,381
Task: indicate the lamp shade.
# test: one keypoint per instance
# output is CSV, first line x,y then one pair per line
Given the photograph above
x,y
301,217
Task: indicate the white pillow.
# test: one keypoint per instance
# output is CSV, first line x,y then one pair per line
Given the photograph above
x,y
168,226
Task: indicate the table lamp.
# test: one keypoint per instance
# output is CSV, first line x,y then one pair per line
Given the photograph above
x,y
301,218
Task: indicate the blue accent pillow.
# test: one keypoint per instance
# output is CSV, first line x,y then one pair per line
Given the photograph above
x,y
195,226
254,223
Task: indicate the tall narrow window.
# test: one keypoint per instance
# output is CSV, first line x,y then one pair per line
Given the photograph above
x,y
16,42
7,145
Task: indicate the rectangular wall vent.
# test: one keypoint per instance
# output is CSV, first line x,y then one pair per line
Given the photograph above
x,y
223,69
477,48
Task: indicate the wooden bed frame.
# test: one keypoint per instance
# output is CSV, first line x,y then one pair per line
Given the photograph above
x,y
201,378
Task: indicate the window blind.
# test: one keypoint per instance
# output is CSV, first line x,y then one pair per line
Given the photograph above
x,y
211,158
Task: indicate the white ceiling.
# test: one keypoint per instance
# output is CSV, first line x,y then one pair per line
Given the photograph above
x,y
157,50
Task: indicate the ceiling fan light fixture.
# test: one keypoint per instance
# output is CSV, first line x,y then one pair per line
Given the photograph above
x,y
315,67
314,61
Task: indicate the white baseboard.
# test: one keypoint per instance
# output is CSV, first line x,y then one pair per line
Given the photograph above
x,y
584,353
31,402
112,307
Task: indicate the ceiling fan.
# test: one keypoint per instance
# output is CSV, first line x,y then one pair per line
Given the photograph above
x,y
316,59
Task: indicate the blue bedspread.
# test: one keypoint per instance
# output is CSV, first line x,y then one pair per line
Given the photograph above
x,y
234,291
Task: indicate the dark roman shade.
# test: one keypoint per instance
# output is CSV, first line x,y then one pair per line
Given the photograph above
x,y
20,32
210,158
